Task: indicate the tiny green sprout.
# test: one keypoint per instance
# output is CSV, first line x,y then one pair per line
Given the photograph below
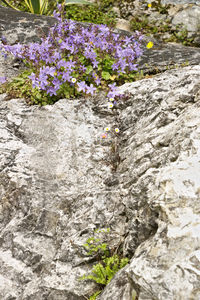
x,y
108,265
95,295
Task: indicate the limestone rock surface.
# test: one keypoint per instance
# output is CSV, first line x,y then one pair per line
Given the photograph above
x,y
59,181
160,168
191,17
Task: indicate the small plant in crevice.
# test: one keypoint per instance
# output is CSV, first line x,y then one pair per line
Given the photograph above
x,y
74,60
109,263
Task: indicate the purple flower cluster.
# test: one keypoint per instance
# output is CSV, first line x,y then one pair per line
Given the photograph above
x,y
77,56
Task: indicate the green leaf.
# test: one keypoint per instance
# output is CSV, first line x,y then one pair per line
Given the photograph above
x,y
89,69
105,75
33,6
69,2
94,296
9,4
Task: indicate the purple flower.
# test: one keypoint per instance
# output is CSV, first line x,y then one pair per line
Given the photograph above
x,y
115,37
112,86
35,82
77,38
82,68
62,63
90,54
104,29
51,91
82,86
97,81
66,77
69,51
115,66
95,63
70,64
128,40
90,89
133,67
3,79
56,15
123,64
57,83
43,81
113,94
49,70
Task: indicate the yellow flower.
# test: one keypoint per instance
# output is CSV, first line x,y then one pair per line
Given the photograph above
x,y
107,129
149,45
110,105
116,130
149,5
73,80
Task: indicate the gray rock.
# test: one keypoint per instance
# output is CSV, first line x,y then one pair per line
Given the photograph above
x,y
51,198
59,181
190,18
21,27
160,167
162,57
176,2
53,167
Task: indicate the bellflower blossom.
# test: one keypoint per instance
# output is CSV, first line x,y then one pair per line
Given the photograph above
x,y
71,53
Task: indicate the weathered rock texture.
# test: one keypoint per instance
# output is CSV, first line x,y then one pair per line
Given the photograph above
x,y
160,168
58,184
59,181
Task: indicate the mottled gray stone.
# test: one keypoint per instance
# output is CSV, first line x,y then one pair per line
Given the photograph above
x,y
20,27
160,172
180,2
190,17
59,181
54,166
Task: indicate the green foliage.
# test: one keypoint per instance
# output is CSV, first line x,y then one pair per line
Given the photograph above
x,y
40,7
21,87
97,13
139,23
103,272
162,9
94,296
108,265
94,245
178,35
